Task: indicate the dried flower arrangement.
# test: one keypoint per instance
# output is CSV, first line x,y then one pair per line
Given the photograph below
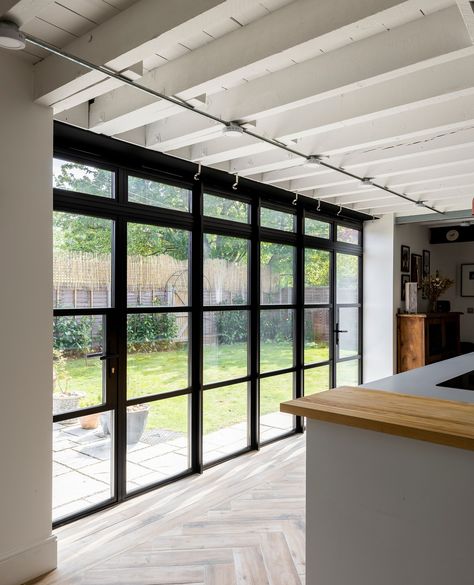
x,y
433,286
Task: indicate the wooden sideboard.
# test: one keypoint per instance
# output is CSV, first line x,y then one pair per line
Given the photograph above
x,y
426,338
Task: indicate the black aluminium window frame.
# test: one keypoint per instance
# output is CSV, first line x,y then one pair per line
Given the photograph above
x,y
123,159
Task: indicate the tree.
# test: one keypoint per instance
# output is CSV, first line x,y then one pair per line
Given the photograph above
x,y
82,233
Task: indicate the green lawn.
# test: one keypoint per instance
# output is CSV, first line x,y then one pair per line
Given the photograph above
x,y
150,373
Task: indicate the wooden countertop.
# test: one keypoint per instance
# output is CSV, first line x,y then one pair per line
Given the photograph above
x,y
426,419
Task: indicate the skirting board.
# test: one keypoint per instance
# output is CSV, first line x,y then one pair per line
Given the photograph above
x,y
30,563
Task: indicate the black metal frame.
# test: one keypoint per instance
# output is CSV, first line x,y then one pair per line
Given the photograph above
x,y
123,159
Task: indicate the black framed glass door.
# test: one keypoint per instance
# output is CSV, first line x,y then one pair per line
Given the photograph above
x,y
347,320
85,364
185,312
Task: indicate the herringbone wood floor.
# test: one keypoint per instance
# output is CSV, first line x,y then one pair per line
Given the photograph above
x,y
240,523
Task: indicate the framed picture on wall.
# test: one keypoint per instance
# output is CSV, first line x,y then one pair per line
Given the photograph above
x,y
416,269
467,280
426,263
405,259
405,279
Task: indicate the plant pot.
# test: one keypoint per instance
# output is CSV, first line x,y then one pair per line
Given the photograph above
x,y
136,422
66,402
89,421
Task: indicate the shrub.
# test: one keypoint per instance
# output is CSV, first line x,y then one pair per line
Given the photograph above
x,y
151,332
72,334
231,326
276,326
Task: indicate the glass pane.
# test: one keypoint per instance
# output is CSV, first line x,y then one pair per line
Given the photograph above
x,y
278,220
78,373
224,208
225,270
83,456
316,276
149,192
316,380
73,176
348,235
347,373
225,421
82,261
347,280
276,339
316,335
157,441
157,266
225,339
314,227
277,271
158,353
273,391
349,322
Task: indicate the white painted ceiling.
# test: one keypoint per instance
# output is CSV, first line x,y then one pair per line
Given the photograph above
x,y
381,87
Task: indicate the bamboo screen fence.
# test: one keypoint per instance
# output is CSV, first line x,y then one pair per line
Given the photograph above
x,y
83,280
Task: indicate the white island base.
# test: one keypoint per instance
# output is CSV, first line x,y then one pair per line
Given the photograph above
x,y
387,510
390,481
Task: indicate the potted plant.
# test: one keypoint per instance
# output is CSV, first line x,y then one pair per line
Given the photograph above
x,y
64,400
137,415
433,286
90,421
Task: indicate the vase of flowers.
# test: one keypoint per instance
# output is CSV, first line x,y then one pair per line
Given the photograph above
x,y
433,286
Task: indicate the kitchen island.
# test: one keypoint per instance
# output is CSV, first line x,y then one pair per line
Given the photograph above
x,y
390,480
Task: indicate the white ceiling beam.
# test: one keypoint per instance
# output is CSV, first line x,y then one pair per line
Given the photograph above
x,y
403,156
22,11
383,203
393,205
406,46
466,9
448,185
463,170
294,25
377,195
122,41
414,90
421,178
441,118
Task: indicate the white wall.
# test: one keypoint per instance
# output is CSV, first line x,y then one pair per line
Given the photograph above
x,y
26,545
449,258
379,311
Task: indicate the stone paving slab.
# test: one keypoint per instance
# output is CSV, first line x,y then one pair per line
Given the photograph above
x,y
82,459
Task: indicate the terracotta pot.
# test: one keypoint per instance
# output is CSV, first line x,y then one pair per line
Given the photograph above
x,y
90,421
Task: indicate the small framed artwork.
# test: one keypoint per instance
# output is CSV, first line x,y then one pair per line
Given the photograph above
x,y
416,269
467,280
426,263
405,259
405,279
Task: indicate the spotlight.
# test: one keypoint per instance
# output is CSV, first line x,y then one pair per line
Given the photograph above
x,y
312,161
233,130
365,181
10,36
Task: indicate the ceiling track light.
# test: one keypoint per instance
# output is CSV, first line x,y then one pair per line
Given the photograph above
x,y
366,181
420,203
11,36
312,160
233,129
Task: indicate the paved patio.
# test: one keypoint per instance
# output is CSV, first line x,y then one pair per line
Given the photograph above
x,y
82,466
